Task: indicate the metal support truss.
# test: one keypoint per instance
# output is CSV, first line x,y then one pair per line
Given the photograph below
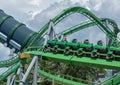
x,y
10,56
35,72
13,80
50,34
28,70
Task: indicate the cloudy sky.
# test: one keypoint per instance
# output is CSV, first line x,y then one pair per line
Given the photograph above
x,y
36,13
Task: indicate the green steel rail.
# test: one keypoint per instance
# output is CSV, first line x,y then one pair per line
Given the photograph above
x,y
72,10
113,23
67,32
11,70
9,62
56,78
114,80
84,61
87,24
15,59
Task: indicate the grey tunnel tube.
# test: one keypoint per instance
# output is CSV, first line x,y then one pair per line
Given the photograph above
x,y
15,31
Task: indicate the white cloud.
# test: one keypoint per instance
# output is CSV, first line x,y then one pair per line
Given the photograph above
x,y
99,8
4,52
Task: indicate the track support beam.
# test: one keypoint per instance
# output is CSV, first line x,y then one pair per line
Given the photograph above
x,y
13,80
35,72
28,70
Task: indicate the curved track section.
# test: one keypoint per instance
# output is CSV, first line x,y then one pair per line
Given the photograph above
x,y
56,78
87,24
72,10
11,70
56,19
114,80
67,32
13,31
113,24
9,62
83,60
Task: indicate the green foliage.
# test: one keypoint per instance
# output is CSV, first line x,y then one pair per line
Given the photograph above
x,y
2,83
78,73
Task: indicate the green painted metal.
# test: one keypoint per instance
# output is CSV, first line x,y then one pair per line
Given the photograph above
x,y
113,23
100,47
13,30
77,28
56,78
83,60
87,24
102,51
73,59
114,80
69,11
9,62
11,70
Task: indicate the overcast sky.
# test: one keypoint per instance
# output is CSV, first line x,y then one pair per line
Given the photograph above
x,y
36,13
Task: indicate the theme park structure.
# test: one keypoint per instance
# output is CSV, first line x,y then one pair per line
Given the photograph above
x,y
54,47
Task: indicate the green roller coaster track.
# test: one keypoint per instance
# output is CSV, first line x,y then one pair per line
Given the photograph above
x,y
83,60
89,24
72,10
11,70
